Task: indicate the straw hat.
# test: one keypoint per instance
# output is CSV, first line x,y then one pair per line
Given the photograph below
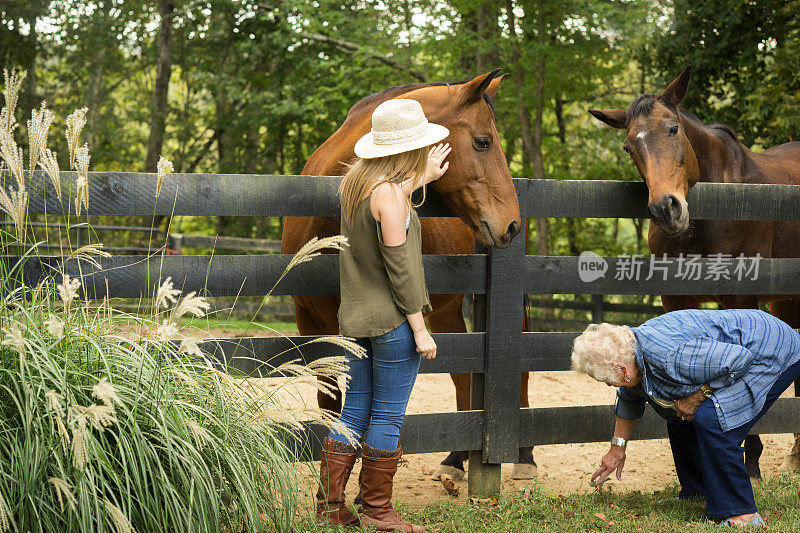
x,y
398,125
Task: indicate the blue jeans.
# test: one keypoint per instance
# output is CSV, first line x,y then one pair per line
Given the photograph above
x,y
379,387
710,462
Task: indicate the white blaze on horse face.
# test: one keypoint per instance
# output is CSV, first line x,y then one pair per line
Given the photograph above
x,y
641,135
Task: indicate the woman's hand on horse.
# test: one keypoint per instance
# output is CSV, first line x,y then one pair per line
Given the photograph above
x,y
436,162
425,344
686,407
613,460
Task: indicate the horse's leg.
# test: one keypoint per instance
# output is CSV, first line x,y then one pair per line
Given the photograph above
x,y
448,319
789,312
525,468
313,317
753,447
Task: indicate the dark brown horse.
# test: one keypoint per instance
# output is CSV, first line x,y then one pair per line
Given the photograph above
x,y
477,187
673,150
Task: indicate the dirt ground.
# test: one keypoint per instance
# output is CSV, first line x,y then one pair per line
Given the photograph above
x,y
563,468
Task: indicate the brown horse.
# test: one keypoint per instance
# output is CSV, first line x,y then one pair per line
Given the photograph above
x,y
477,187
673,150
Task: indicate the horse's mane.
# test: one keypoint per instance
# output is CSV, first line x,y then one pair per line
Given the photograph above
x,y
713,129
375,99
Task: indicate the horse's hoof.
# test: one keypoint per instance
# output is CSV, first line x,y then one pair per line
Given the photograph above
x,y
754,471
452,471
524,471
791,463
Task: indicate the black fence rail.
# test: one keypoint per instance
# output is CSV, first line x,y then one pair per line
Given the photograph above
x,y
496,427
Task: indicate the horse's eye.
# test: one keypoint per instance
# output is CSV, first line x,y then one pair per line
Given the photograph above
x,y
625,147
673,131
481,143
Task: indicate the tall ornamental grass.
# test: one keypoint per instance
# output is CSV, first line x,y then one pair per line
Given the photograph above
x,y
118,422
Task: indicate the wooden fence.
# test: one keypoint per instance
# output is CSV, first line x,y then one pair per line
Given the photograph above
x,y
496,427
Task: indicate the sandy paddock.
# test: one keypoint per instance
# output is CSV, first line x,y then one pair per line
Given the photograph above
x,y
563,468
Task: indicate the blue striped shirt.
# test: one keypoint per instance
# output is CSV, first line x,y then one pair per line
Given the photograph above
x,y
738,352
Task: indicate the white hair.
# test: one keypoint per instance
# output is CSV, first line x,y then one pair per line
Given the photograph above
x,y
600,347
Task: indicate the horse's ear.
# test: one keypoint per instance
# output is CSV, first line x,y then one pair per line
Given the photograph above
x,y
494,85
676,90
473,90
613,117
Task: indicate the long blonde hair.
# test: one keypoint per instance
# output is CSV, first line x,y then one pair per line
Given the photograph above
x,y
364,174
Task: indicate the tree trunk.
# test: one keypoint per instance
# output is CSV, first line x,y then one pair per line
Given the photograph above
x,y
531,132
537,159
574,225
30,88
161,93
94,95
479,18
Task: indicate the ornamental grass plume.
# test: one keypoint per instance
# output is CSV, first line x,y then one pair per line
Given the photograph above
x,y
164,167
167,294
13,156
82,158
49,164
38,129
75,123
88,252
313,248
13,338
13,84
5,514
15,205
190,346
63,492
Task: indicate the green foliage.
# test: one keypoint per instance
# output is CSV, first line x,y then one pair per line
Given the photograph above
x,y
744,64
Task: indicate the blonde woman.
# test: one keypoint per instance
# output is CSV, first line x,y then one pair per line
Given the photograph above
x,y
711,375
383,299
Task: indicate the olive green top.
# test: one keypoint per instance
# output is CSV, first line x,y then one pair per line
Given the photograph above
x,y
379,284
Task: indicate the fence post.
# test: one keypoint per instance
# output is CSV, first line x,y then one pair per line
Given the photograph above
x,y
500,382
484,478
175,241
597,308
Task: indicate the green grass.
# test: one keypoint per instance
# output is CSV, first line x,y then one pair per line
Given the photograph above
x,y
533,509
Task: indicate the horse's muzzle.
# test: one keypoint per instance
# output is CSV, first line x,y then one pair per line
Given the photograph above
x,y
670,214
501,241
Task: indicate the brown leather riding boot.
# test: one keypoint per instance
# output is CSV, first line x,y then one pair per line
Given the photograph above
x,y
377,474
337,462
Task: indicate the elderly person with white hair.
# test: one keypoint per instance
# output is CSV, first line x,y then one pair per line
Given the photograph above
x,y
711,375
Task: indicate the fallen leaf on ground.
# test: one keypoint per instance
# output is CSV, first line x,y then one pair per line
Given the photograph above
x,y
449,484
601,516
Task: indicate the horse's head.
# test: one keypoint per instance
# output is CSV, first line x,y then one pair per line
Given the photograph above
x,y
659,147
477,185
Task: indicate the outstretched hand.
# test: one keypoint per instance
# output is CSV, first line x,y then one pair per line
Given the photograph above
x,y
613,460
436,162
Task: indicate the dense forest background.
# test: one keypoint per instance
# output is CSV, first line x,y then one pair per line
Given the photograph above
x,y
254,86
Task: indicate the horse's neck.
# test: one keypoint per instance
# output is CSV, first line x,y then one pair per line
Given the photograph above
x,y
719,158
